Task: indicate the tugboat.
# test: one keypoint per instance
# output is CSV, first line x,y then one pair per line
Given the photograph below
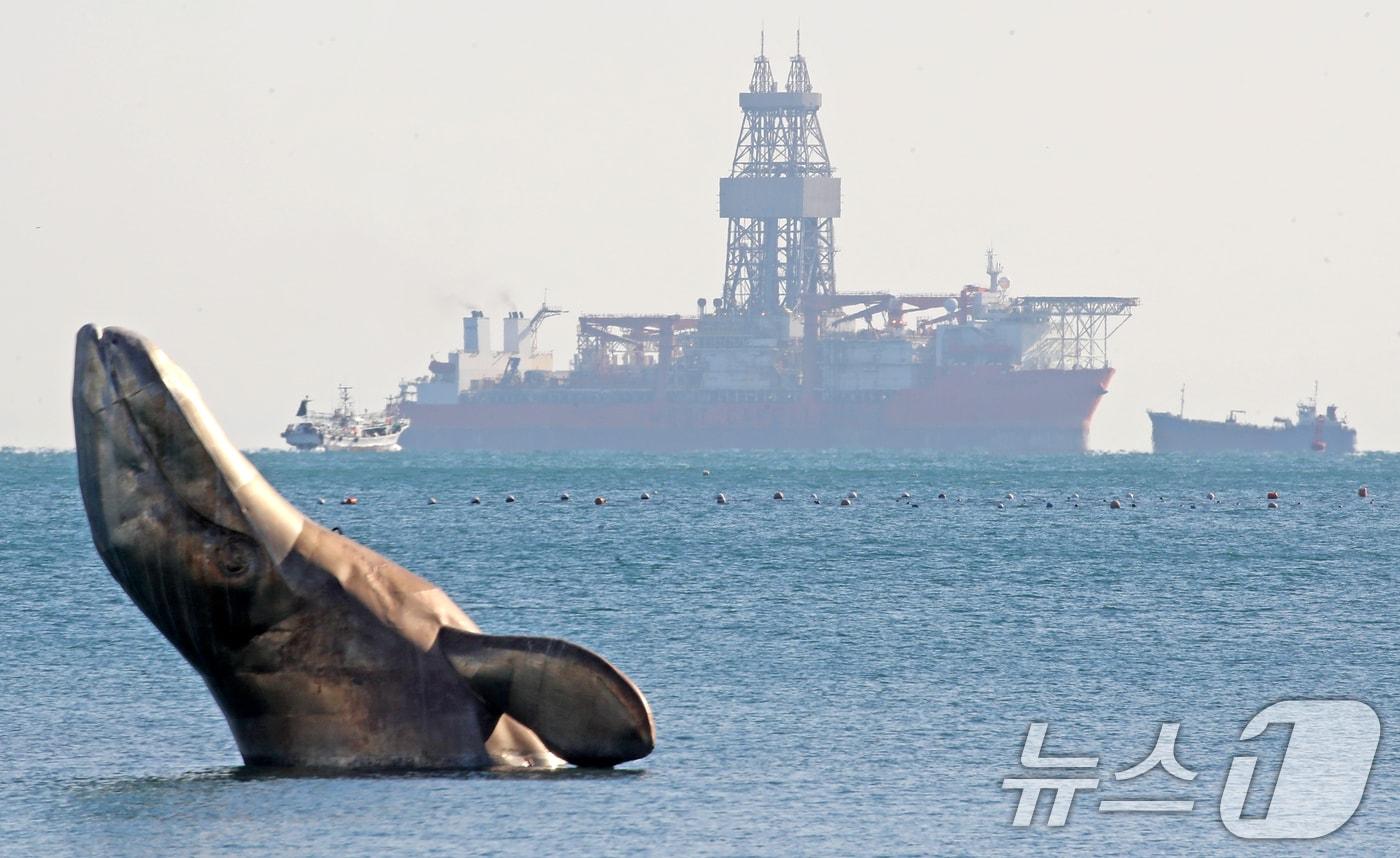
x,y
345,430
1319,432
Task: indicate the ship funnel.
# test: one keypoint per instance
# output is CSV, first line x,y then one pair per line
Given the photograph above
x,y
476,334
514,329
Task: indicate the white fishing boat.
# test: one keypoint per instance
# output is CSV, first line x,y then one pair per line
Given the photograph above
x,y
344,429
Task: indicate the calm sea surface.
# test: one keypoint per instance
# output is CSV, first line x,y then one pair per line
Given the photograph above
x,y
824,679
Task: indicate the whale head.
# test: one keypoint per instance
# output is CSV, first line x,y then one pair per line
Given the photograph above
x,y
184,522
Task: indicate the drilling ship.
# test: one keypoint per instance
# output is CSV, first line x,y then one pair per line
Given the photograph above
x,y
781,359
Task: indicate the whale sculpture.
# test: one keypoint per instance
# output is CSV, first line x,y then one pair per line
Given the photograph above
x,y
320,652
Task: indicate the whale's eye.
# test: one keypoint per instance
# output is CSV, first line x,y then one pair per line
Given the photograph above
x,y
235,558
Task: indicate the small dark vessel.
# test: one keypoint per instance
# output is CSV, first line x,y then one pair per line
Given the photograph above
x,y
1323,432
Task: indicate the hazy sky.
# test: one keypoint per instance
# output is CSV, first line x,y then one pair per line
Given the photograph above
x,y
291,196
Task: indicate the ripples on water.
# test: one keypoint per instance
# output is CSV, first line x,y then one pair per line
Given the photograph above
x,y
825,679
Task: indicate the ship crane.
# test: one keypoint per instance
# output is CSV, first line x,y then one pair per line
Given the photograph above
x,y
533,328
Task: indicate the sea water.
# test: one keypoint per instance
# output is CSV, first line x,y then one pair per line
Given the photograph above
x,y
825,679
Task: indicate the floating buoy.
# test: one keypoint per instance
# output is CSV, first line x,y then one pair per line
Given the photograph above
x,y
1130,495
350,501
476,501
1115,504
510,498
1363,492
1210,496
1001,505
1273,505
321,501
599,500
721,499
942,496
904,496
1271,496
1049,505
705,473
845,501
852,494
1010,495
646,495
564,496
432,501
777,495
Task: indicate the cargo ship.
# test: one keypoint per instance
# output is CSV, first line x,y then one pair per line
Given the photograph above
x,y
781,359
1311,431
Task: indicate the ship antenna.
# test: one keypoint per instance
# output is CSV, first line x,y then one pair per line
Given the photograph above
x,y
1182,412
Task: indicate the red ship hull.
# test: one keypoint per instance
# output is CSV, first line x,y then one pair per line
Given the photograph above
x,y
989,408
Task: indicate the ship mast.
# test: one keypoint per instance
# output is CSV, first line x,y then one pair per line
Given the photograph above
x,y
993,271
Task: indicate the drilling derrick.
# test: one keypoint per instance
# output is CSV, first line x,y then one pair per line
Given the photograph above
x,y
780,199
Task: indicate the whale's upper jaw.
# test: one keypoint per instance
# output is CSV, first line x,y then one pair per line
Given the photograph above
x,y
125,412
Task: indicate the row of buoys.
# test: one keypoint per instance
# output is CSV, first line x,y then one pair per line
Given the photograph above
x,y
1273,496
